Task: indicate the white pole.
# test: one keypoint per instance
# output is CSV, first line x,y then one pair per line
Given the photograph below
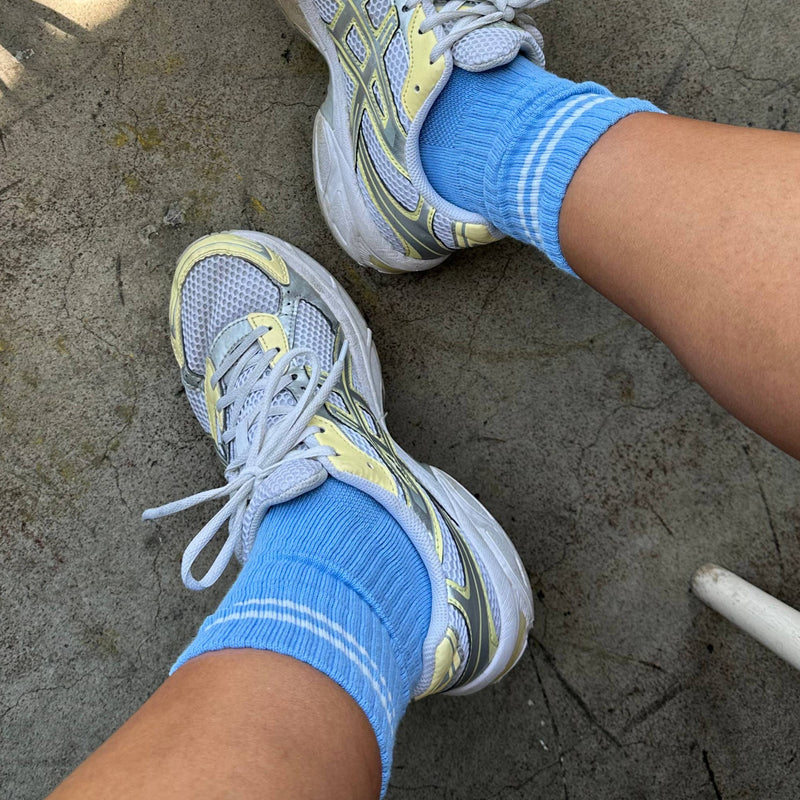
x,y
764,617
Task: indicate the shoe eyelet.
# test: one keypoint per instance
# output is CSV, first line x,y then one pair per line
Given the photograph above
x,y
416,88
294,377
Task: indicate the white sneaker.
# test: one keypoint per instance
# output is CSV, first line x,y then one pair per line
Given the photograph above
x,y
280,369
389,60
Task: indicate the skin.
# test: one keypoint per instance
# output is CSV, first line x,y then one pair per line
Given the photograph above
x,y
696,234
237,724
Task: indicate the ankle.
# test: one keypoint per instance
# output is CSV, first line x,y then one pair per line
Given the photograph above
x,y
505,144
478,119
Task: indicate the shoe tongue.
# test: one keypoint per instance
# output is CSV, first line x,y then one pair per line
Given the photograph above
x,y
290,480
491,46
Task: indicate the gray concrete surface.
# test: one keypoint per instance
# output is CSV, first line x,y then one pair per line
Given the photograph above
x,y
613,472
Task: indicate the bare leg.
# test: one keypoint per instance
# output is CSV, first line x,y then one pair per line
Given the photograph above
x,y
693,228
237,723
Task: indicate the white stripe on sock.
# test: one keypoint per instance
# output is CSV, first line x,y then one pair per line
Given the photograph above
x,y
536,185
522,211
280,616
290,604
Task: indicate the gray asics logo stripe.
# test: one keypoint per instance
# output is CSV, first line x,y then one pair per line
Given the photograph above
x,y
415,228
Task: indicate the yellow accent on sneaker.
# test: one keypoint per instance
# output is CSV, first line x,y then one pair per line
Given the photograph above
x,y
475,235
423,74
350,459
446,664
212,396
274,339
381,267
228,244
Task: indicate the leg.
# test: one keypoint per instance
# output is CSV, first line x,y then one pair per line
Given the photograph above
x,y
243,723
698,237
691,227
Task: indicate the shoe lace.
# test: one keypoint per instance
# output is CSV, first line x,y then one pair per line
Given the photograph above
x,y
260,444
471,16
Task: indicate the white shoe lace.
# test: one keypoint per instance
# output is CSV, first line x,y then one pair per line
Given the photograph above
x,y
471,16
258,448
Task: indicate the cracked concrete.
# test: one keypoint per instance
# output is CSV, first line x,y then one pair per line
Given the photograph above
x,y
613,472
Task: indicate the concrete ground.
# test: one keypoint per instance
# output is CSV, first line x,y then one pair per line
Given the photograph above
x,y
125,136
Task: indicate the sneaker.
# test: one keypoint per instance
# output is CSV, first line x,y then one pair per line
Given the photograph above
x,y
280,369
389,60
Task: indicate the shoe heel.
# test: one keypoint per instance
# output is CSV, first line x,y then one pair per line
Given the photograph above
x,y
510,579
343,206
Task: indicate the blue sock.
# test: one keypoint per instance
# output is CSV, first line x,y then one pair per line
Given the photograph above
x,y
505,143
333,581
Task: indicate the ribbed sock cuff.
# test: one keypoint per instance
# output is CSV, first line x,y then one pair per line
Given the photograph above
x,y
528,173
299,610
478,112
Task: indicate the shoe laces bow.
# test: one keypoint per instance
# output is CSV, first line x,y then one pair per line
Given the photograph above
x,y
260,445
